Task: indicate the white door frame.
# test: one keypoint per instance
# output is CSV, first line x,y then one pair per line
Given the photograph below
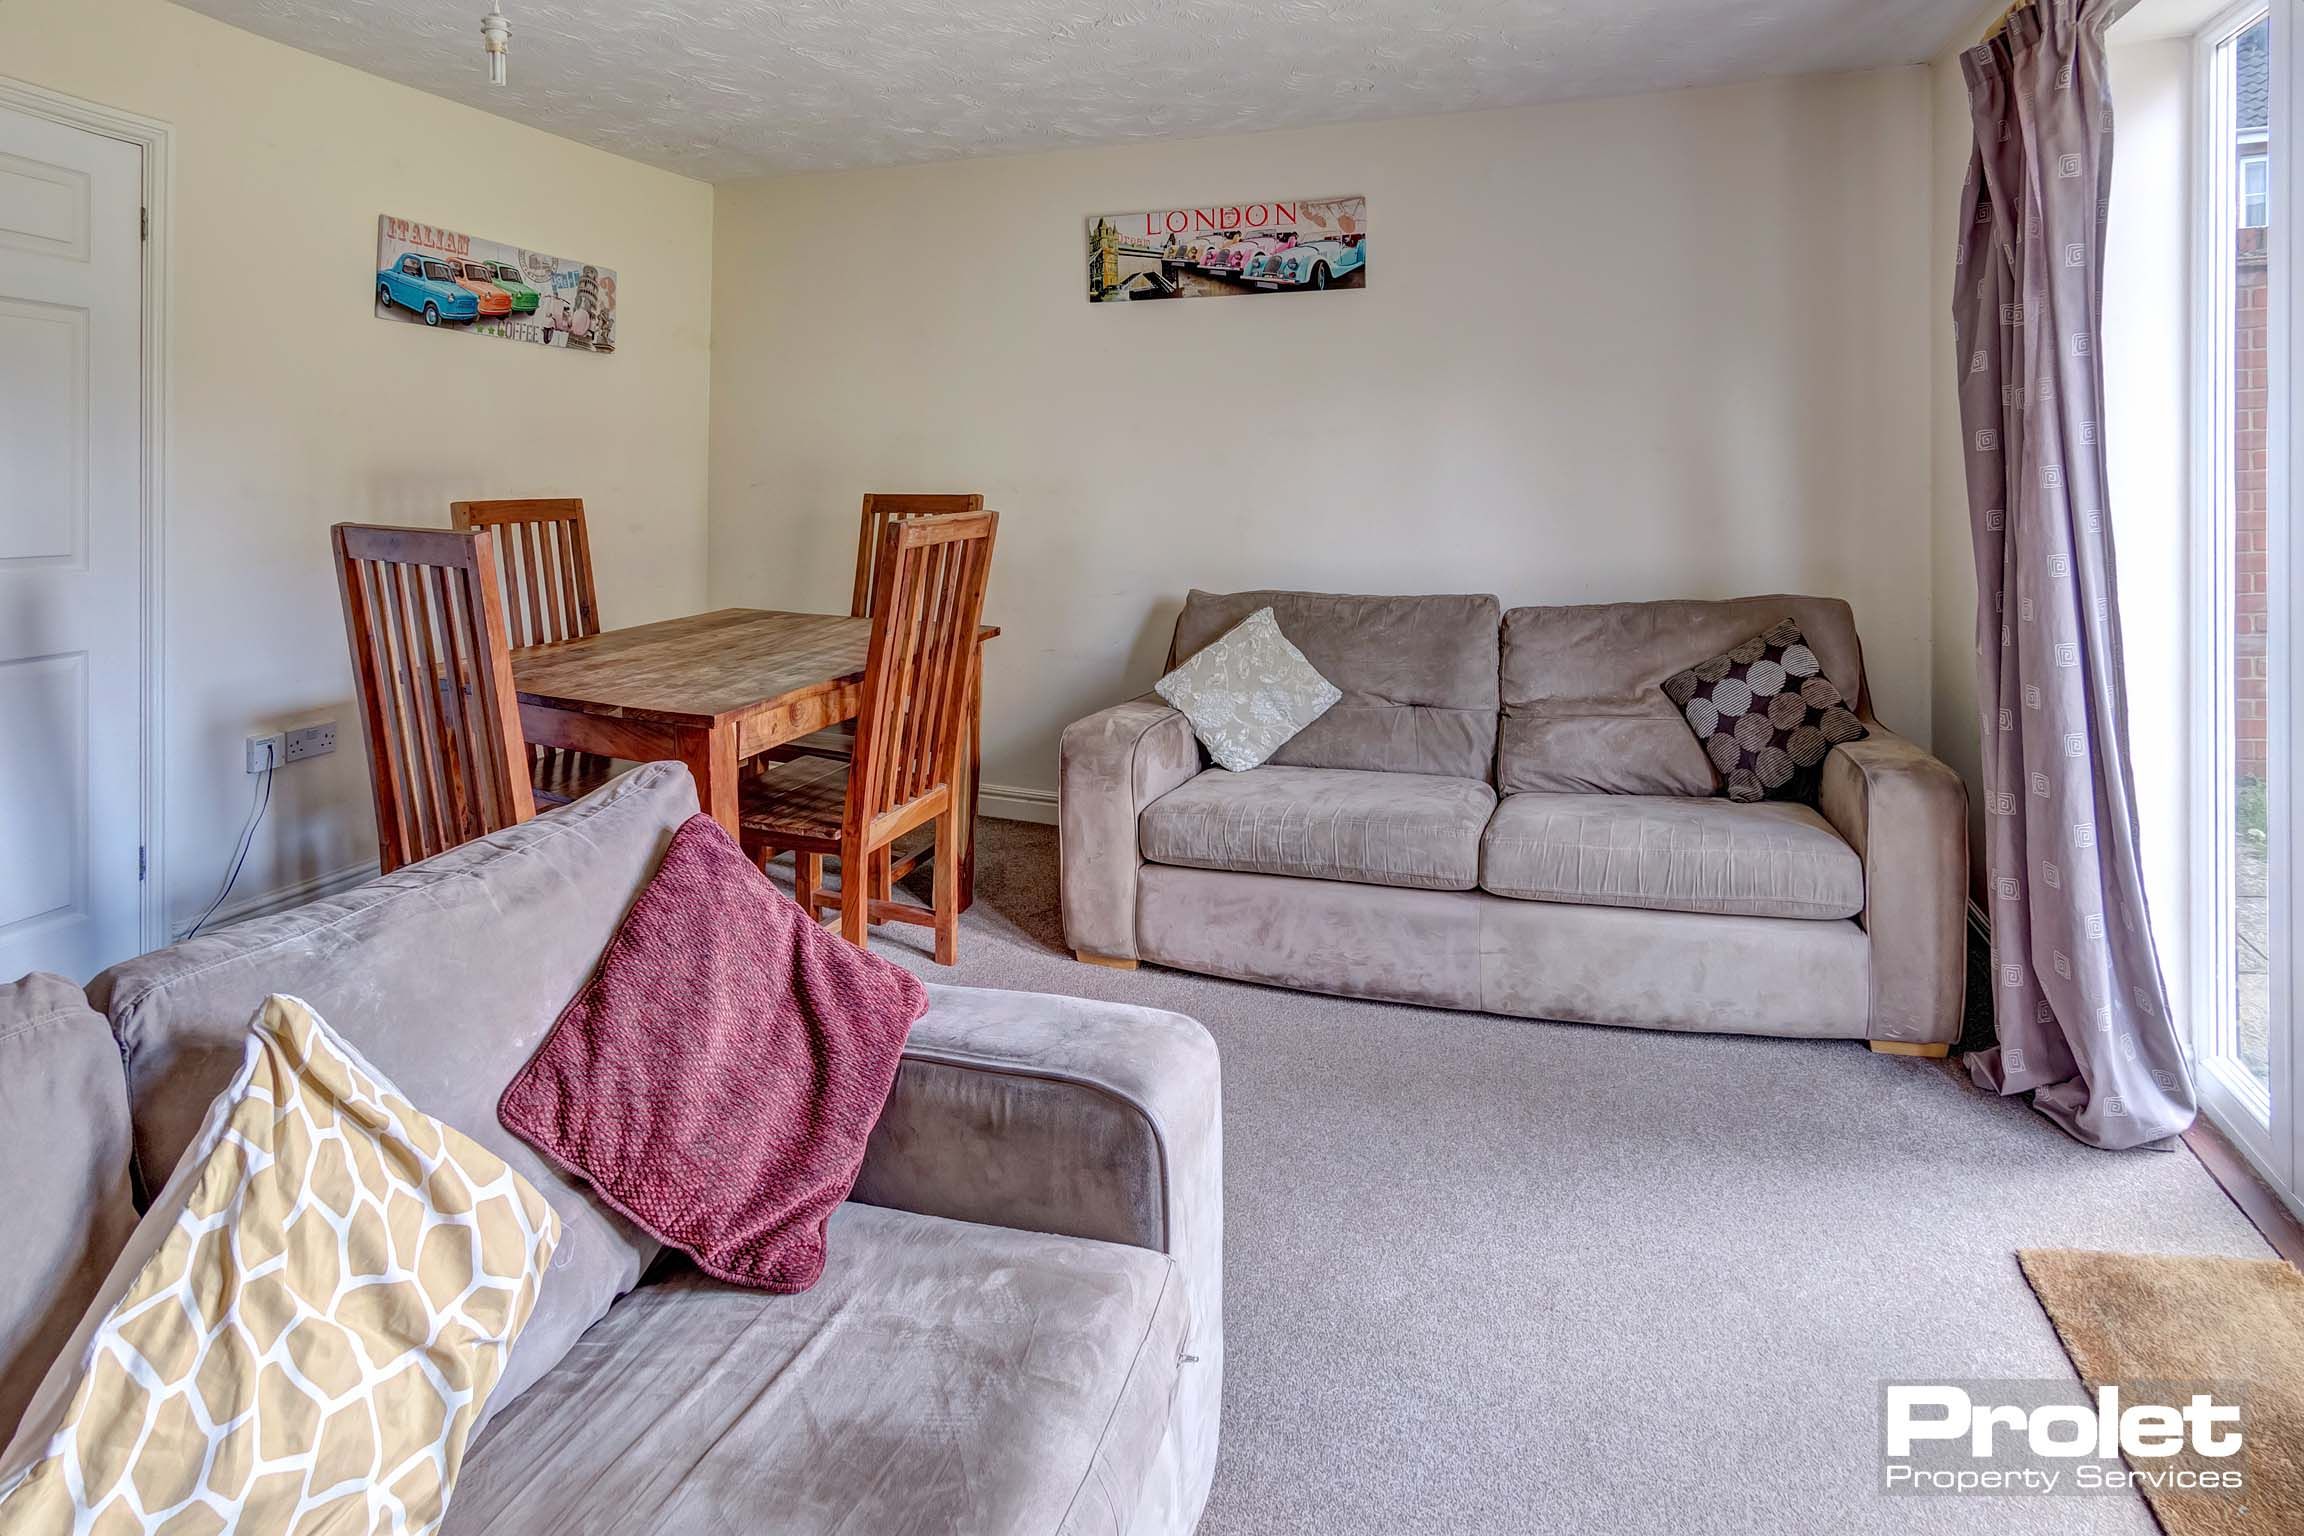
x,y
154,138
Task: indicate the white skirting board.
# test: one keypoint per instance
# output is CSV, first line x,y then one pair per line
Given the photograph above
x,y
1010,803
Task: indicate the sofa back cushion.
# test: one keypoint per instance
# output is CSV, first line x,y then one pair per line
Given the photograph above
x,y
446,974
63,1175
1418,675
1584,704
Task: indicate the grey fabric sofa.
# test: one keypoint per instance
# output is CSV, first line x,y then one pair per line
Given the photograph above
x,y
1504,813
1019,1327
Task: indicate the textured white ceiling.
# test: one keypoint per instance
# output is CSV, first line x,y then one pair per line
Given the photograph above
x,y
730,88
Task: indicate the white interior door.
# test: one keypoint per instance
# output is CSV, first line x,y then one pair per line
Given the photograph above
x,y
71,588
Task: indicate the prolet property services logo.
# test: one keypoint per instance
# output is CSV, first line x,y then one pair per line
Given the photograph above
x,y
2057,1437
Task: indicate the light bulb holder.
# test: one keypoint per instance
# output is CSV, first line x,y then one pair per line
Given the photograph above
x,y
496,36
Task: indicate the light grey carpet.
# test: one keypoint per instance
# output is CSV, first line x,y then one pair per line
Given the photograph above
x,y
1492,1275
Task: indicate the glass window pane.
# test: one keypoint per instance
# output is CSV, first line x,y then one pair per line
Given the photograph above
x,y
2246,63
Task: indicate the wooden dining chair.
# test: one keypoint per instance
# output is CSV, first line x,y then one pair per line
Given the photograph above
x,y
544,561
424,616
881,508
911,729
884,507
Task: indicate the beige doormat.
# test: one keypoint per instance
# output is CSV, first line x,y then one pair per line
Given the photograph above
x,y
2148,1318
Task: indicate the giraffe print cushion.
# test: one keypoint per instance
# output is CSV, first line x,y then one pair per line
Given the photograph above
x,y
302,1331
1766,714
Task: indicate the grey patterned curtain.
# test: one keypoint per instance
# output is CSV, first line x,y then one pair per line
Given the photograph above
x,y
2081,1014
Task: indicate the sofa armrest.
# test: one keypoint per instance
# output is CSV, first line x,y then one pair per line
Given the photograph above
x,y
1087,1119
1906,815
1110,766
1065,1115
1054,1114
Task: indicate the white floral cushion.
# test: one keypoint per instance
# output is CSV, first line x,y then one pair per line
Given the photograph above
x,y
1248,692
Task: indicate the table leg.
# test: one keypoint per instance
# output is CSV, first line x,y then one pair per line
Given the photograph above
x,y
973,767
710,754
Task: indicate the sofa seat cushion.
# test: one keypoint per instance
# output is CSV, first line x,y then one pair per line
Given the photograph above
x,y
1671,854
941,1377
1409,829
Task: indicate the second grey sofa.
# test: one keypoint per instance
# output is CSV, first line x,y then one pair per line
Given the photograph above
x,y
1505,813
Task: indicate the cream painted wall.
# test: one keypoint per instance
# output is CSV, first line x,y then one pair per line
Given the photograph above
x,y
1656,346
1952,551
2147,418
293,407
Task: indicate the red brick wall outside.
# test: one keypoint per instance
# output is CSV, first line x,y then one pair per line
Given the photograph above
x,y
2249,500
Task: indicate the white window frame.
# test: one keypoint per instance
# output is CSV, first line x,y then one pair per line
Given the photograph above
x,y
2284,565
2264,1124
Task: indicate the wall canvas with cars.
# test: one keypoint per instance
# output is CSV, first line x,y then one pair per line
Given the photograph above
x,y
1229,250
426,275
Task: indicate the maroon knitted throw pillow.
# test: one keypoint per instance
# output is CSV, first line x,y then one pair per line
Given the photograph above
x,y
718,1076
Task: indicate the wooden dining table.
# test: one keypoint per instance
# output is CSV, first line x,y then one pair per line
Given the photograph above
x,y
711,690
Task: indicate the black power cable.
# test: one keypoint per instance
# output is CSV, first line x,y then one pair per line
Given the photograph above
x,y
263,803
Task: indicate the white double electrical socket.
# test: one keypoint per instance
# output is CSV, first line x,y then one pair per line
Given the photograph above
x,y
281,748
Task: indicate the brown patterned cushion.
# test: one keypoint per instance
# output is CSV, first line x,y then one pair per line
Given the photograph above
x,y
1766,714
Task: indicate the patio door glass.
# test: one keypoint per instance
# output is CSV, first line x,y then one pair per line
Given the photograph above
x,y
2244,826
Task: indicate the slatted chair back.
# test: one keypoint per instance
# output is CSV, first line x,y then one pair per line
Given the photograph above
x,y
917,673
884,507
544,556
423,613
